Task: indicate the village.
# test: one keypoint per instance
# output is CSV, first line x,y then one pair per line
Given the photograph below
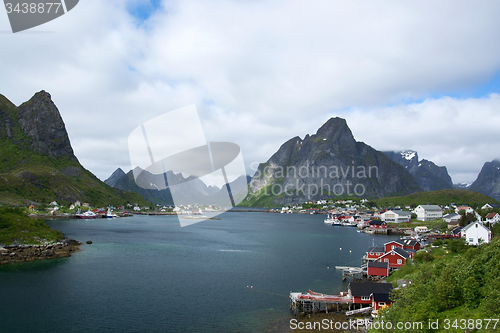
x,y
423,228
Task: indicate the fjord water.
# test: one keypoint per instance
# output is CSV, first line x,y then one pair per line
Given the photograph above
x,y
147,274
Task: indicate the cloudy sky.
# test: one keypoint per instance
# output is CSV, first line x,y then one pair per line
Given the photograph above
x,y
421,75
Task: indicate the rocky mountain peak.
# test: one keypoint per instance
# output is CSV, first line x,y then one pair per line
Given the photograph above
x,y
428,175
115,176
335,130
488,180
42,123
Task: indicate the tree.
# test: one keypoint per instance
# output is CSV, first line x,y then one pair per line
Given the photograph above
x,y
466,219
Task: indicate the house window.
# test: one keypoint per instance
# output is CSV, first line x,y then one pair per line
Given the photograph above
x,y
393,247
386,260
471,240
365,298
381,303
400,261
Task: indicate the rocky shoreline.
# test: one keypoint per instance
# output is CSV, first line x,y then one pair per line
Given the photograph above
x,y
27,252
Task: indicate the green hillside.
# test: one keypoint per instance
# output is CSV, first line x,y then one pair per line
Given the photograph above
x,y
37,163
16,226
441,197
27,177
454,284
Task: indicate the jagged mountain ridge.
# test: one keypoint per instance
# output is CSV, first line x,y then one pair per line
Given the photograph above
x,y
427,174
488,180
37,162
334,149
194,190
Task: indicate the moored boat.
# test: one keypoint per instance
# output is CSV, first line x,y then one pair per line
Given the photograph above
x,y
86,215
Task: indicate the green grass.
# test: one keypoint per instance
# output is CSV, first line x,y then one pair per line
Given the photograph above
x,y
16,226
452,281
29,177
441,197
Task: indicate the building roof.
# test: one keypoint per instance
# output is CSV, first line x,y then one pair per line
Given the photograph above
x,y
410,242
456,230
493,205
381,297
399,212
400,242
491,215
377,222
430,207
367,288
377,249
377,264
401,252
467,227
450,215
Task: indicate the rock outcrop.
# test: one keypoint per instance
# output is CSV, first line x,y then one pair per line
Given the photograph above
x,y
25,252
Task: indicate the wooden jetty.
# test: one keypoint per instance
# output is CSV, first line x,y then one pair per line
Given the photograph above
x,y
312,302
354,273
350,313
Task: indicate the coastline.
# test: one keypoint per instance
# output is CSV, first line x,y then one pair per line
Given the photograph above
x,y
26,252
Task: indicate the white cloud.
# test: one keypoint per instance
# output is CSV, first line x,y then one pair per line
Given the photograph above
x,y
261,72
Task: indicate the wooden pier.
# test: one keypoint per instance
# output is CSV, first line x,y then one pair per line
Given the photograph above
x,y
355,273
312,302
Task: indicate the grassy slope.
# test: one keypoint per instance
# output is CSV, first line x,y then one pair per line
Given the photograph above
x,y
26,176
452,282
16,226
29,177
441,197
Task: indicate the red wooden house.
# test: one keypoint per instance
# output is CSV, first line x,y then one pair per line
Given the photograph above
x,y
374,253
376,268
377,224
396,257
412,244
380,300
362,292
393,244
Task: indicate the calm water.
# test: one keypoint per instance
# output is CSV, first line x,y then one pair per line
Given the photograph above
x,y
147,274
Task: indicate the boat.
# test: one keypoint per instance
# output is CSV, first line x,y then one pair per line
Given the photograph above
x,y
329,219
349,224
110,214
86,215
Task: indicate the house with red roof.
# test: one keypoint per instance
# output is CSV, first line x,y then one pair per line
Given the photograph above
x,y
493,218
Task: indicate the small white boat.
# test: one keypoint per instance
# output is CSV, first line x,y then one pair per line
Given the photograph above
x,y
86,215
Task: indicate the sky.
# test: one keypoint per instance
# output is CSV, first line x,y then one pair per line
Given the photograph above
x,y
421,75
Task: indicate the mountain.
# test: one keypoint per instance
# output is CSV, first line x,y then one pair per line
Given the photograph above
x,y
37,163
462,186
428,175
115,176
194,190
330,163
488,180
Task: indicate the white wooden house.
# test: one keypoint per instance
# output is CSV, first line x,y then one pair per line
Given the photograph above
x,y
476,233
493,218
